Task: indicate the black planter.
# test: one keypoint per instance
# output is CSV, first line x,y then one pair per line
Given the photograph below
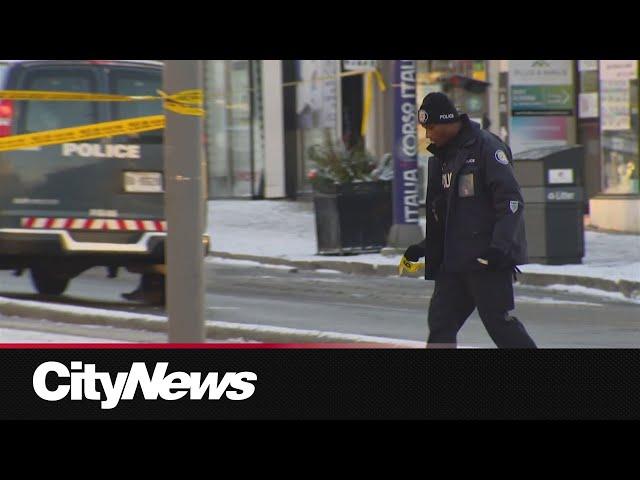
x,y
352,218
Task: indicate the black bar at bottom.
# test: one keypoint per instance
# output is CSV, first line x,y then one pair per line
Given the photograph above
x,y
328,384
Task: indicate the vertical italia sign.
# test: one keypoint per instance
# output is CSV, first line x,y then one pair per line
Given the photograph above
x,y
405,144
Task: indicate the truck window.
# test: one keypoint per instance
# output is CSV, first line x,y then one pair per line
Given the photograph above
x,y
136,82
4,67
40,115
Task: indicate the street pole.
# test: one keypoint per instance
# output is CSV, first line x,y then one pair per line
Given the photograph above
x,y
184,204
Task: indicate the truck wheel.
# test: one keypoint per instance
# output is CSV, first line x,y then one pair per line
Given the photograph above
x,y
48,283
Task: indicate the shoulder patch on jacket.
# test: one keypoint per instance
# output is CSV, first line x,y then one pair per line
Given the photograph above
x,y
501,157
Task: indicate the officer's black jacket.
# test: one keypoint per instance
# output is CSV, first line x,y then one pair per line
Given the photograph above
x,y
483,210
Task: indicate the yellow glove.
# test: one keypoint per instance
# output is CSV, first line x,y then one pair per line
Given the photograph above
x,y
409,266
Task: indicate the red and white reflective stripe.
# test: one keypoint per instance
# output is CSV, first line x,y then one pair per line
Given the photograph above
x,y
51,223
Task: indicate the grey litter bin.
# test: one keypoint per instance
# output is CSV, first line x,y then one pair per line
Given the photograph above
x,y
551,180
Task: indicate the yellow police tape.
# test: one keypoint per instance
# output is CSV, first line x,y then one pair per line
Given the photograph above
x,y
409,266
183,109
192,97
85,132
326,78
70,96
368,98
186,102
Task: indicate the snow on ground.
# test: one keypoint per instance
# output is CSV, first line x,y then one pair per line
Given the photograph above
x,y
10,335
555,301
319,335
272,228
607,255
614,271
245,263
286,229
592,292
262,227
88,311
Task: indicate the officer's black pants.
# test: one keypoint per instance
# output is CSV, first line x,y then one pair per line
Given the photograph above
x,y
455,297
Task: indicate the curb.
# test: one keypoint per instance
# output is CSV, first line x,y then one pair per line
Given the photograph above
x,y
213,330
628,288
344,267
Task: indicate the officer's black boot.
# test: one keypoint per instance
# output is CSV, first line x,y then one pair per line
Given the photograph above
x,y
135,295
150,290
507,331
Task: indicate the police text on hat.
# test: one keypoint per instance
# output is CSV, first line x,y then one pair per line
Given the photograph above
x,y
437,108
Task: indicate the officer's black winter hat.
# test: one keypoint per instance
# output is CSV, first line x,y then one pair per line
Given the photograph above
x,y
437,108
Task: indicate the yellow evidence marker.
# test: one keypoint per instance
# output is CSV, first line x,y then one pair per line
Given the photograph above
x,y
409,266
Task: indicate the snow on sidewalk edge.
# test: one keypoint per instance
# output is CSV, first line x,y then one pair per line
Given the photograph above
x,y
628,288
158,323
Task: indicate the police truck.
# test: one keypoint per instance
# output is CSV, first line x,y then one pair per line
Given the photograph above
x,y
70,207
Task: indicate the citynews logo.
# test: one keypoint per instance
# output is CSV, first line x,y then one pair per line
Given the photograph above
x,y
83,380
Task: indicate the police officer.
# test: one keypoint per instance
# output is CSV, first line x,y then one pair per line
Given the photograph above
x,y
475,229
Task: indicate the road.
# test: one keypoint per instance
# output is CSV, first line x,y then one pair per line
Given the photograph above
x,y
367,305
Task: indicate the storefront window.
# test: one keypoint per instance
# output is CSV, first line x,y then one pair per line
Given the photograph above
x,y
316,110
619,126
233,128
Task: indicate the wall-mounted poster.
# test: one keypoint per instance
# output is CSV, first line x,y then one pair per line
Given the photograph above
x,y
535,132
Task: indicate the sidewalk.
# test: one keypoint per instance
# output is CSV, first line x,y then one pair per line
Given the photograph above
x,y
282,232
